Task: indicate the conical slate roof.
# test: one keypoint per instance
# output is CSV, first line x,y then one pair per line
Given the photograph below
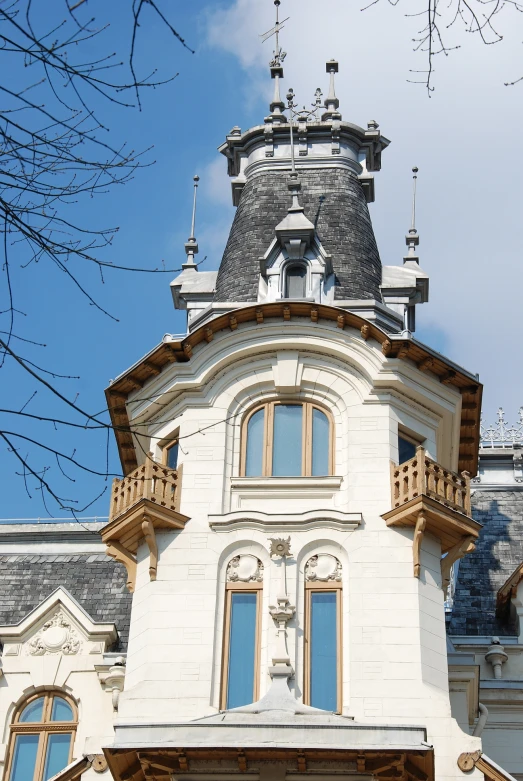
x,y
334,201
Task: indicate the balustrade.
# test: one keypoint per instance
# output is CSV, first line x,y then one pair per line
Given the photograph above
x,y
151,481
423,476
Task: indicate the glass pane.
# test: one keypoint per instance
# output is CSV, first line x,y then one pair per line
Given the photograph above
x,y
407,450
172,456
24,757
296,282
242,649
34,711
62,711
323,651
320,443
254,459
287,440
57,756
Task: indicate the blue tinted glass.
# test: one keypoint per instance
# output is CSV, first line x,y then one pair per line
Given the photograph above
x,y
323,651
242,650
24,757
320,443
172,456
57,755
34,711
287,440
62,711
407,450
254,459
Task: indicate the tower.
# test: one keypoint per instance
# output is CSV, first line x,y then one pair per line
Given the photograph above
x,y
297,487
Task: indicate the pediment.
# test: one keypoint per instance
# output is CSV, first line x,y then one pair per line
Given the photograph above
x,y
276,256
58,625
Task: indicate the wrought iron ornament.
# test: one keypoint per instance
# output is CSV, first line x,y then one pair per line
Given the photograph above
x,y
502,434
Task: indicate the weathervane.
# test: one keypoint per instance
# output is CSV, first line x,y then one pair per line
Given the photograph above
x,y
279,54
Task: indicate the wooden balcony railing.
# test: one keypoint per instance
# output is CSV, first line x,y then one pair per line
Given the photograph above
x,y
151,481
421,476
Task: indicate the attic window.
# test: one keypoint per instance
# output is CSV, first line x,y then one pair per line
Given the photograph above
x,y
296,281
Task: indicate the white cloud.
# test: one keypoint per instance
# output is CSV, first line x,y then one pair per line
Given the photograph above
x,y
464,140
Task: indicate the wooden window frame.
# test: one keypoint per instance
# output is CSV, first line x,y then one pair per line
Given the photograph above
x,y
165,450
42,728
310,588
268,436
230,589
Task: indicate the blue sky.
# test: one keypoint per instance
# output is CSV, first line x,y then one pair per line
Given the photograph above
x,y
469,207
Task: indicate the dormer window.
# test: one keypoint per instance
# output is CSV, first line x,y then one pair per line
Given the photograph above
x,y
288,439
296,281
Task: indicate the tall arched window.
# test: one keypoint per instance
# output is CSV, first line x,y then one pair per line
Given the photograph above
x,y
241,637
296,281
42,736
291,439
322,679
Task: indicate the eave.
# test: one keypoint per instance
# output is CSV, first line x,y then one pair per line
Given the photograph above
x,y
392,346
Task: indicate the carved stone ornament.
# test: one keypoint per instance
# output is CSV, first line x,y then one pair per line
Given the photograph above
x,y
244,569
56,636
280,546
323,567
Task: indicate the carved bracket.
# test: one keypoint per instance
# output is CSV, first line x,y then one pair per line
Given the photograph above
x,y
419,530
460,549
125,557
150,539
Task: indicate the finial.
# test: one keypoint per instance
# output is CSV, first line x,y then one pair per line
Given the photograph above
x,y
191,245
277,106
412,238
331,101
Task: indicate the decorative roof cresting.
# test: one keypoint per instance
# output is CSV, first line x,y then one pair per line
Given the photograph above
x,y
502,434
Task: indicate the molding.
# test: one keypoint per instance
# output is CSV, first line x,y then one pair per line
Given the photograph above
x,y
300,483
60,601
180,351
270,522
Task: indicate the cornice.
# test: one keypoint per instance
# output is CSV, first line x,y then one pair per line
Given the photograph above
x,y
174,350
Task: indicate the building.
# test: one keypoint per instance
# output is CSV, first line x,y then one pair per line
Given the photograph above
x,y
273,604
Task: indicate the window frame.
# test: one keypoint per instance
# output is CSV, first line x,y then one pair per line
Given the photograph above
x,y
268,436
165,452
405,435
312,587
43,729
290,265
230,589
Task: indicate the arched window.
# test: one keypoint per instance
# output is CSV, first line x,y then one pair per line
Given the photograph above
x,y
291,439
322,679
241,644
296,281
42,736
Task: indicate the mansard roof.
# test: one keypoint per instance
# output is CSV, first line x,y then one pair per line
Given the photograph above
x,y
97,583
173,350
499,552
334,201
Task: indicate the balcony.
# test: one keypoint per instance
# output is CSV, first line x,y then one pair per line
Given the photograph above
x,y
435,500
146,500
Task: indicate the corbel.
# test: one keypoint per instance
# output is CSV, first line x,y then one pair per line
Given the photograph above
x,y
187,349
152,367
233,323
335,137
419,530
360,763
341,321
259,316
208,335
404,350
150,538
182,759
134,382
242,761
302,762
125,557
426,364
314,315
365,331
447,378
386,347
460,549
302,137
286,313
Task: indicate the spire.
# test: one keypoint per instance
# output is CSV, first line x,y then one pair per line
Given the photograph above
x,y
191,245
412,238
277,105
331,101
